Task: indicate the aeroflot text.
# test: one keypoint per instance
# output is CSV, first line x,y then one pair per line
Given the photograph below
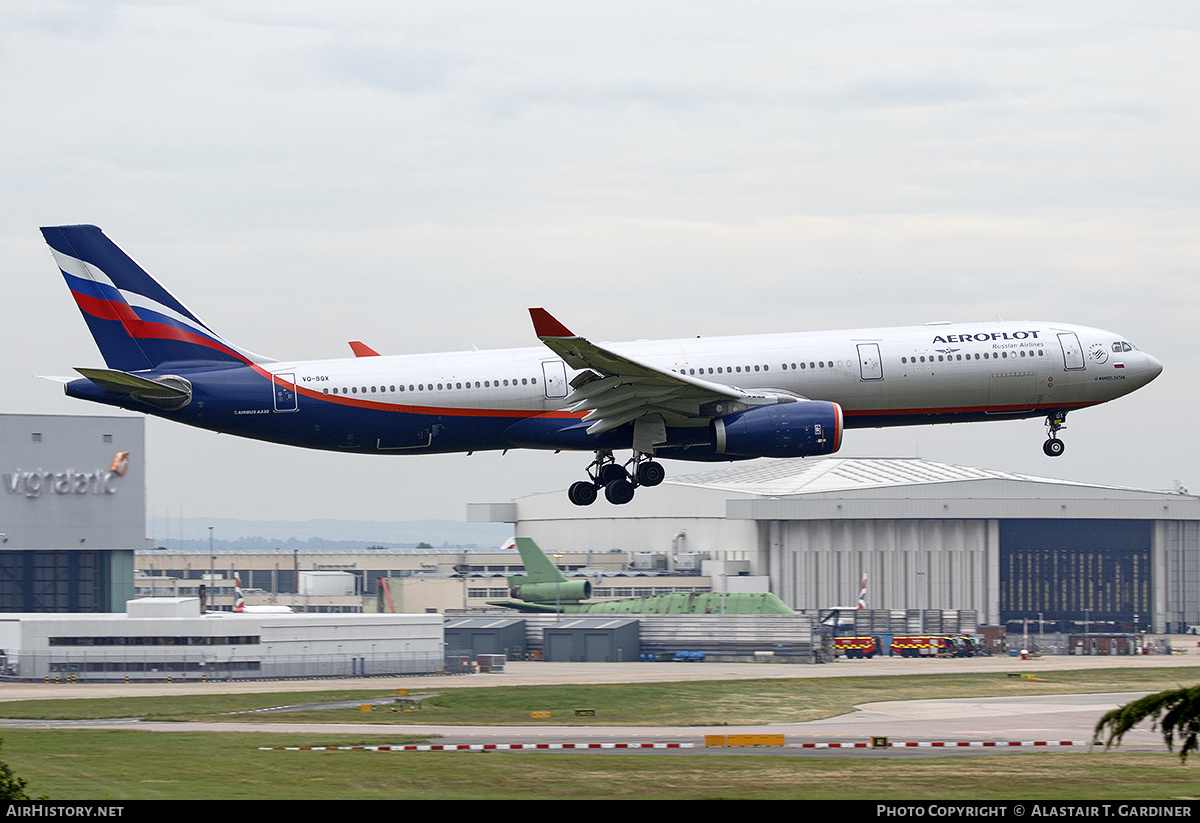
x,y
986,336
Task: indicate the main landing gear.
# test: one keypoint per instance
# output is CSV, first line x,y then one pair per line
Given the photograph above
x,y
616,480
1053,447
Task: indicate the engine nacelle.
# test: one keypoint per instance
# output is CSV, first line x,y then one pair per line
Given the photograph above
x,y
799,429
569,592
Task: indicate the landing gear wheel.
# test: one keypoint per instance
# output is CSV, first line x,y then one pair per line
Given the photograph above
x,y
582,493
610,472
619,492
1055,422
650,473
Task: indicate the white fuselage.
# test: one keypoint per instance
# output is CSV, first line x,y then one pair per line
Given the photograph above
x,y
879,376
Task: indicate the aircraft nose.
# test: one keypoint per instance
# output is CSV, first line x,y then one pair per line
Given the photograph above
x,y
1153,366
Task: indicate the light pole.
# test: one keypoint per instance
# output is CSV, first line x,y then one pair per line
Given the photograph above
x,y
212,572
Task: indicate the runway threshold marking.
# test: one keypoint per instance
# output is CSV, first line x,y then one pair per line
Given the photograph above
x,y
475,747
478,747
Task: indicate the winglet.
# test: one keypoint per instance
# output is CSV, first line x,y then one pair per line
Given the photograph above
x,y
361,349
545,325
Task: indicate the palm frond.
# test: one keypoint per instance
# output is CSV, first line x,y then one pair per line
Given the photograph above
x,y
1174,712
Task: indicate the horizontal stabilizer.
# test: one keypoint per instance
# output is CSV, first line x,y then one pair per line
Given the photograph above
x,y
121,382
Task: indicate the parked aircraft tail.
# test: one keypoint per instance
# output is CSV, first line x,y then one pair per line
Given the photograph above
x,y
543,582
137,324
240,607
539,568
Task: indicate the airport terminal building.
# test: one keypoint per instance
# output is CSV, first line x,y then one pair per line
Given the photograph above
x,y
927,535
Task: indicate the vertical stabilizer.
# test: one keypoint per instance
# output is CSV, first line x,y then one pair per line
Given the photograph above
x,y
136,323
539,568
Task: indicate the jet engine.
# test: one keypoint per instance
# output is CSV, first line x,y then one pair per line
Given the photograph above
x,y
569,592
800,429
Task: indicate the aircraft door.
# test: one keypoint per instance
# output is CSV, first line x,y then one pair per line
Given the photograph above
x,y
870,366
1072,351
284,386
554,378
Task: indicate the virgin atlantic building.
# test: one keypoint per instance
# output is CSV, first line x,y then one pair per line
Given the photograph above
x,y
72,512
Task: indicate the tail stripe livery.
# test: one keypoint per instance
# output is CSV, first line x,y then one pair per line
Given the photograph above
x,y
137,324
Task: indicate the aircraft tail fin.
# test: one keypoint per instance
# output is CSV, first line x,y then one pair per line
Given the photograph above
x,y
136,323
539,568
239,601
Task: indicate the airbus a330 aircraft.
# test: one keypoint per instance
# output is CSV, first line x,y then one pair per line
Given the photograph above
x,y
705,399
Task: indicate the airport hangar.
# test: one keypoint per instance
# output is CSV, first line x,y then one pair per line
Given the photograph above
x,y
72,516
927,535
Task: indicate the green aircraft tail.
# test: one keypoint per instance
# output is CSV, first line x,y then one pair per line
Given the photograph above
x,y
539,568
543,582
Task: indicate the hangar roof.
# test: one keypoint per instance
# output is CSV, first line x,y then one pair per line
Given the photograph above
x,y
841,474
844,488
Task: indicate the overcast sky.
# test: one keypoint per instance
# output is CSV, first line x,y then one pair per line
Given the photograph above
x,y
417,174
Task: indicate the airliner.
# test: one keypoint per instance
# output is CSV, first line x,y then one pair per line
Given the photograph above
x,y
701,399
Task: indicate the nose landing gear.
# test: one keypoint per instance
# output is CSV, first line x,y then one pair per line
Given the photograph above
x,y
1053,447
616,480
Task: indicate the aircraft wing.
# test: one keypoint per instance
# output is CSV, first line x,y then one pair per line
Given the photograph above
x,y
617,389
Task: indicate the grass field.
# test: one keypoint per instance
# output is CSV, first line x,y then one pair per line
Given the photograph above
x,y
91,764
127,765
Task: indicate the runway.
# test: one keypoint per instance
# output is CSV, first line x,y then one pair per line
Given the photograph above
x,y
1042,718
523,673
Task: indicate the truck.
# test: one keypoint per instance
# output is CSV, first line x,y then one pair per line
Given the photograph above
x,y
857,648
923,645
